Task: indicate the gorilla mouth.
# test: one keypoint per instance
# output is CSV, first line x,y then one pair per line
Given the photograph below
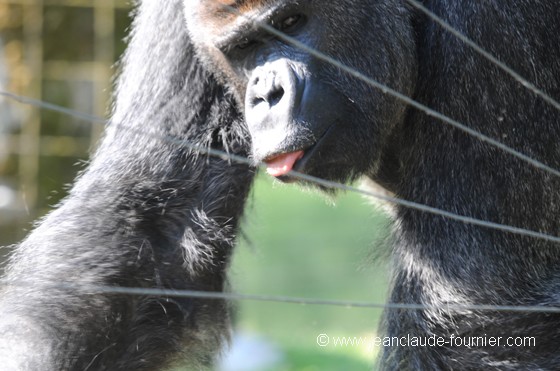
x,y
283,163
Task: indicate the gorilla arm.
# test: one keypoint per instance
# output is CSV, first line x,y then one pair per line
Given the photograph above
x,y
148,212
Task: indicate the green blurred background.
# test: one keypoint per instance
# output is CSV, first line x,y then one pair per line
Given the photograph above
x,y
300,243
296,242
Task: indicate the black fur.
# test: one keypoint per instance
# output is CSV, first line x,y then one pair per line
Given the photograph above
x,y
438,261
150,213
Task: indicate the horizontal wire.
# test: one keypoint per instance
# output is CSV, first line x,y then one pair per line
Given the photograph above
x,y
323,182
523,81
53,107
176,293
388,90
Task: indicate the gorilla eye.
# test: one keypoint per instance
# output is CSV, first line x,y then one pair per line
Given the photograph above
x,y
245,43
291,23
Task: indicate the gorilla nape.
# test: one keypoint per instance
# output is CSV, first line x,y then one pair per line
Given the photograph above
x,y
149,213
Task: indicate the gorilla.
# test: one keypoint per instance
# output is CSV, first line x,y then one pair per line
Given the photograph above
x,y
153,212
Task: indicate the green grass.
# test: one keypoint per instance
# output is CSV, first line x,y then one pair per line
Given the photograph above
x,y
318,360
299,244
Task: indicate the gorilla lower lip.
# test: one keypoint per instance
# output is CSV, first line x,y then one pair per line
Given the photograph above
x,y
282,164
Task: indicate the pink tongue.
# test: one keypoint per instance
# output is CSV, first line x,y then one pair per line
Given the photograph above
x,y
283,163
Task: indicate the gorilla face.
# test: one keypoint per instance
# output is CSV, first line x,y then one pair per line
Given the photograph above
x,y
303,113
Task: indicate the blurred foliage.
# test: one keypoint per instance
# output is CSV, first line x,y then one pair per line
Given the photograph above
x,y
74,72
68,33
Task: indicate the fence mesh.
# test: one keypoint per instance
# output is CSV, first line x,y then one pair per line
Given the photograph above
x,y
61,51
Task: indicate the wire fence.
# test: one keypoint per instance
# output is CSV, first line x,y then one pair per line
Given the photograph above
x,y
424,208
63,50
323,182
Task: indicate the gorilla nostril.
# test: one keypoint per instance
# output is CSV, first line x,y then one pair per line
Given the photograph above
x,y
276,96
257,100
272,98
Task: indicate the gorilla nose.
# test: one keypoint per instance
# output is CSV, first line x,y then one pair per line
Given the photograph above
x,y
267,89
273,95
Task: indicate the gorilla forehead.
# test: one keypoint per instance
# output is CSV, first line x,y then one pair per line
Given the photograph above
x,y
220,13
211,21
